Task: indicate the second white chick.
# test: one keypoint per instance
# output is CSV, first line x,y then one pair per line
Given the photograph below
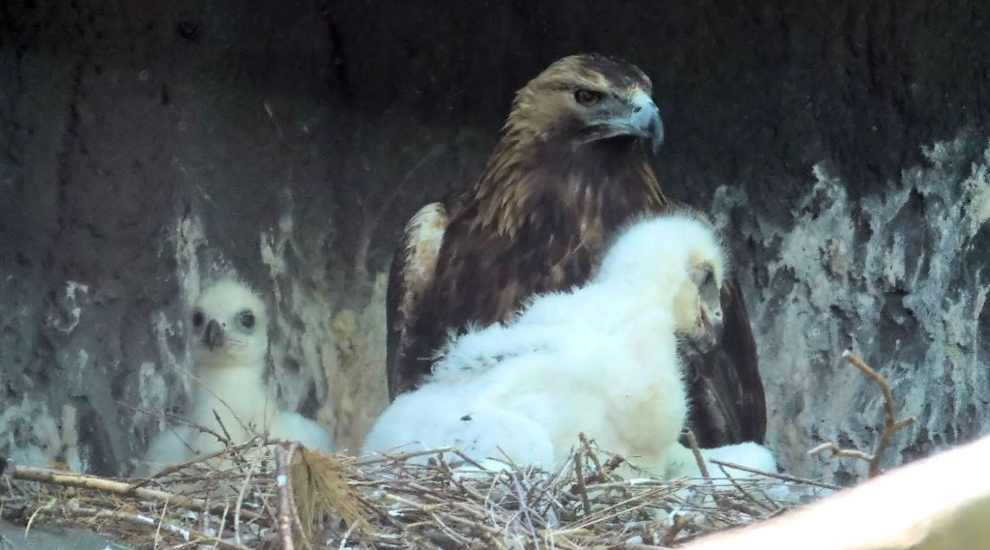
x,y
601,359
229,346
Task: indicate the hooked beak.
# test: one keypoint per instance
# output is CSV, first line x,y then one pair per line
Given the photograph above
x,y
644,120
213,335
640,119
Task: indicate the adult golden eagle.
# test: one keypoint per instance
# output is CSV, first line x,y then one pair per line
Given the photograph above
x,y
573,165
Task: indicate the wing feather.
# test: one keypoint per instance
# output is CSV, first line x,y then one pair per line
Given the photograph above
x,y
727,400
412,271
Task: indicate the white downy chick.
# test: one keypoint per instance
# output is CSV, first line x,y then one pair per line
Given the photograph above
x,y
229,341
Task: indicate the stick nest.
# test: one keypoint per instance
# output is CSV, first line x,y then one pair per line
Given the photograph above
x,y
268,494
276,494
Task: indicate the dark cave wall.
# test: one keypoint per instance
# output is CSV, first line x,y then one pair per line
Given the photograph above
x,y
748,90
146,147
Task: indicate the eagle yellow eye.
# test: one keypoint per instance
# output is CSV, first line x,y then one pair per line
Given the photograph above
x,y
588,98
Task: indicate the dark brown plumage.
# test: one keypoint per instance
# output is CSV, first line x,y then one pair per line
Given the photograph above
x,y
573,165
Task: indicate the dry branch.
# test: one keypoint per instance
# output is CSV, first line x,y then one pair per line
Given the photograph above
x,y
890,423
582,490
283,457
66,479
774,475
146,522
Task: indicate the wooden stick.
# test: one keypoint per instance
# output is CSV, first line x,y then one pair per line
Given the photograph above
x,y
679,524
65,479
283,458
696,450
148,521
387,457
194,460
240,499
782,477
579,478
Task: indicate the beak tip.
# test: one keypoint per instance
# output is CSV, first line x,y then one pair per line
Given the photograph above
x,y
213,336
656,132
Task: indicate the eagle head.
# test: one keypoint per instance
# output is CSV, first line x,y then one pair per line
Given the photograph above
x,y
585,99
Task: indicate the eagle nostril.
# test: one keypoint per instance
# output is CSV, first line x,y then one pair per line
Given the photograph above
x,y
637,109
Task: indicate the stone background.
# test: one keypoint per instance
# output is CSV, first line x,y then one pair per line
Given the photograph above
x,y
146,147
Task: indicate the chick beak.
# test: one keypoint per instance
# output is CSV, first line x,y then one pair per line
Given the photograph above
x,y
711,328
213,335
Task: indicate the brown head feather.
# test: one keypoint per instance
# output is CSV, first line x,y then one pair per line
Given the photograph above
x,y
543,150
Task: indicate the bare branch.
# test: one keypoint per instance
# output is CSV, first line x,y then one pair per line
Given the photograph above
x,y
283,457
890,424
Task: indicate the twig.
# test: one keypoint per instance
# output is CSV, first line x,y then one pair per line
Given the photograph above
x,y
743,491
703,468
782,477
223,428
240,499
602,471
890,423
343,539
58,477
586,445
402,457
184,421
473,462
524,508
696,450
216,396
147,521
579,478
836,451
161,520
283,458
679,524
194,460
223,519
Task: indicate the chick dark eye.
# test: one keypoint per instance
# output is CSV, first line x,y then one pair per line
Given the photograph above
x,y
247,319
588,98
197,319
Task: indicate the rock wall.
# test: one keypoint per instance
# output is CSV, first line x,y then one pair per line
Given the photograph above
x,y
146,147
900,277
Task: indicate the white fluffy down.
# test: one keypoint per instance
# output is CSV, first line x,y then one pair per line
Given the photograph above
x,y
533,404
601,359
230,384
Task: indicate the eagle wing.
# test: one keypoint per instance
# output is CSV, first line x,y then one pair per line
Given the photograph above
x,y
410,277
727,401
412,270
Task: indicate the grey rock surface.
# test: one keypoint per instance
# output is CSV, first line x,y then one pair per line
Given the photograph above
x,y
899,277
147,147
